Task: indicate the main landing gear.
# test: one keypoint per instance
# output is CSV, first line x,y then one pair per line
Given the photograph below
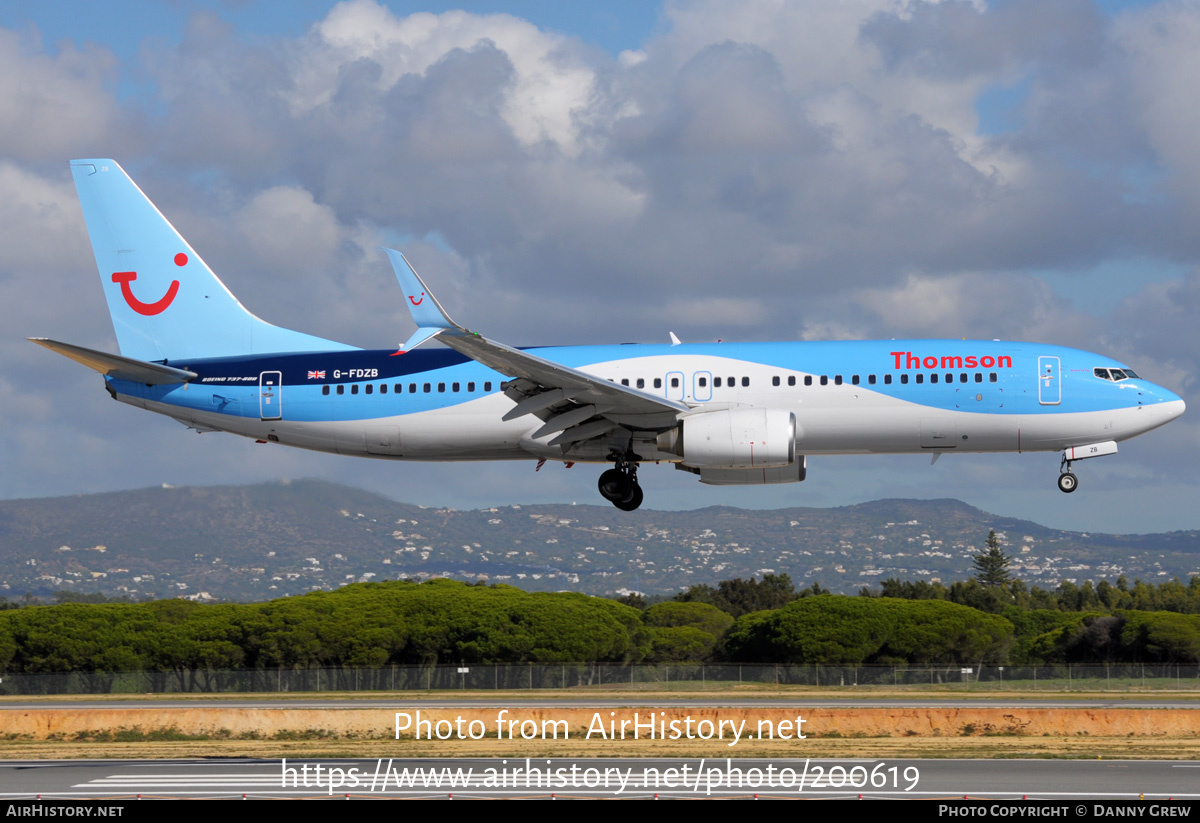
x,y
619,486
1067,482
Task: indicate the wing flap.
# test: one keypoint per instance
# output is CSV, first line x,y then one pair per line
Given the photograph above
x,y
568,419
587,431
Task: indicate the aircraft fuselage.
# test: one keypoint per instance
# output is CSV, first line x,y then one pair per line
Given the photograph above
x,y
860,397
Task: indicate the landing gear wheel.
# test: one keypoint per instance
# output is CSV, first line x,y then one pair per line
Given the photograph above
x,y
632,502
615,485
1067,482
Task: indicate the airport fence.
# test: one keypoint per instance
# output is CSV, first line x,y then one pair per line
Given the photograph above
x,y
593,676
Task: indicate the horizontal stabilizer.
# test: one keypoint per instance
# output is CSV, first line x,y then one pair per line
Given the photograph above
x,y
114,365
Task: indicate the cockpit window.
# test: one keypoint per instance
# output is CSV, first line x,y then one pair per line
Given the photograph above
x,y
1114,374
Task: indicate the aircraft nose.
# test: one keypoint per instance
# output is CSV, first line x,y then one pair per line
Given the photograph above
x,y
1174,408
1169,404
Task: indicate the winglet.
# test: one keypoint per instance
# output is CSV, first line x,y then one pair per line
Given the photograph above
x,y
426,311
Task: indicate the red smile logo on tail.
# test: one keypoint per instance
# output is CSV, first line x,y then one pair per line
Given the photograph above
x,y
415,301
158,306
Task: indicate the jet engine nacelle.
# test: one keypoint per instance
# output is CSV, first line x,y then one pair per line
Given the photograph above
x,y
745,438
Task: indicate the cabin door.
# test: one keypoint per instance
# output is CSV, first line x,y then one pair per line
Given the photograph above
x,y
1049,381
270,395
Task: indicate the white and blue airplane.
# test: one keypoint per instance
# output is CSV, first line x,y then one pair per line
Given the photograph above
x,y
731,413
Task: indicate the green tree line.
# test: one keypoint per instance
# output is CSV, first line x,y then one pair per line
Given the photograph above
x,y
444,621
990,618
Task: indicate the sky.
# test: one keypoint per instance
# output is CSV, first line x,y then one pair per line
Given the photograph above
x,y
570,173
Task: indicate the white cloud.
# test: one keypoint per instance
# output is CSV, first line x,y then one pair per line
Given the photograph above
x,y
548,89
287,230
1161,57
52,106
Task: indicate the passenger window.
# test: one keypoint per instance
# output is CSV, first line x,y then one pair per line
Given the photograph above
x,y
837,380
471,386
887,380
716,382
398,388
854,379
978,377
731,382
962,377
428,388
487,385
920,378
354,389
324,390
412,388
933,378
641,383
383,388
775,380
624,381
871,379
824,380
791,379
808,379
745,381
674,382
703,381
370,389
992,377
904,378
658,382
341,389
441,387
454,387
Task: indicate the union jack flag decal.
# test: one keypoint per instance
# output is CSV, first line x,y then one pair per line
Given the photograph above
x,y
316,375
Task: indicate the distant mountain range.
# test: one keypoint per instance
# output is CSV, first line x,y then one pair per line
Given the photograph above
x,y
265,541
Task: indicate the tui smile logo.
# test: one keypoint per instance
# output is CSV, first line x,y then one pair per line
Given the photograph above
x,y
415,301
148,309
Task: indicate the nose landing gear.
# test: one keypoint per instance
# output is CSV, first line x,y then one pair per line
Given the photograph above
x,y
619,486
1067,482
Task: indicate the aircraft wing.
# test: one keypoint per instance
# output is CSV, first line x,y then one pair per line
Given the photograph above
x,y
558,394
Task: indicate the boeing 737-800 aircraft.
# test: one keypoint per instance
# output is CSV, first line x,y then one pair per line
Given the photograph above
x,y
731,413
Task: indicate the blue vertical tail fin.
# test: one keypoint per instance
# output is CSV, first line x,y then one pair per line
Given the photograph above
x,y
165,302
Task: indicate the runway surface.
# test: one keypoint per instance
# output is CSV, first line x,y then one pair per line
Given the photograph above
x,y
604,778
